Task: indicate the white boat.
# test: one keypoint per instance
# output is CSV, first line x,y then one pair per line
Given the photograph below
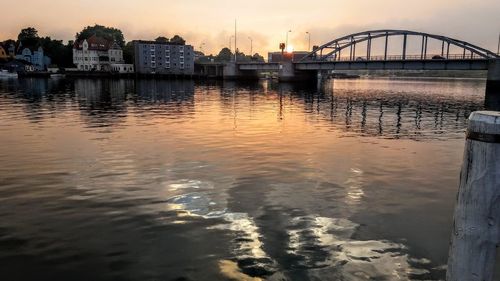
x,y
57,75
6,74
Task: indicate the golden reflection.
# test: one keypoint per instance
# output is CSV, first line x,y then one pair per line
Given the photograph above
x,y
355,186
250,246
351,259
231,270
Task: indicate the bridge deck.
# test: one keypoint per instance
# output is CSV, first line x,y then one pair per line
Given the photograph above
x,y
412,64
273,66
454,64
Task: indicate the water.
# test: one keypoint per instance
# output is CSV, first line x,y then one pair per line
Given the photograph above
x,y
176,180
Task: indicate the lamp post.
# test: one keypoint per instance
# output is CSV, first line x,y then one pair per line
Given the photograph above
x,y
498,48
309,46
251,46
287,38
235,38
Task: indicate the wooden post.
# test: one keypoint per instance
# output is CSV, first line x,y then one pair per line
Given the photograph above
x,y
492,98
476,225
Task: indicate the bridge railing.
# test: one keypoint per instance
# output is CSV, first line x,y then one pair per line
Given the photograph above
x,y
408,57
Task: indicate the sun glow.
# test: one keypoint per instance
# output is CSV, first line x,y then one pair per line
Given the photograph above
x,y
289,49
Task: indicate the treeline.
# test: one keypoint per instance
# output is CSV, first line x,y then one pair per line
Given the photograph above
x,y
226,55
62,54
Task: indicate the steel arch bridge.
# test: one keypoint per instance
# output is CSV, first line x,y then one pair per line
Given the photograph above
x,y
333,50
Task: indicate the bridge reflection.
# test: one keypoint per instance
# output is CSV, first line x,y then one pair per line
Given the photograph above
x,y
414,109
415,114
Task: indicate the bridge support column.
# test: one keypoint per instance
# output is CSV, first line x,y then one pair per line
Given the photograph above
x,y
288,73
232,72
492,99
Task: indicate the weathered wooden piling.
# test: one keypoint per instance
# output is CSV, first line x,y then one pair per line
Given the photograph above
x,y
476,225
492,98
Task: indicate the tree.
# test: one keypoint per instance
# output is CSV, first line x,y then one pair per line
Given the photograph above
x,y
225,55
9,42
28,37
128,52
258,58
178,40
109,33
60,54
162,39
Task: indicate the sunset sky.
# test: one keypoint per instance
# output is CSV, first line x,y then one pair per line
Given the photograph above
x,y
212,21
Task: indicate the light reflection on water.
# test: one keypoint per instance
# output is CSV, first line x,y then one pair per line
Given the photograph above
x,y
150,180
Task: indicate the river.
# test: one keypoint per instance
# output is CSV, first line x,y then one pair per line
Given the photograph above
x,y
183,180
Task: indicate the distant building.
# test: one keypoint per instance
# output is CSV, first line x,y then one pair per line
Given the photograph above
x,y
18,65
99,54
11,50
33,55
3,53
153,57
279,56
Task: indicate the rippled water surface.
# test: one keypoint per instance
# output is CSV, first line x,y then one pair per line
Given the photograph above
x,y
176,180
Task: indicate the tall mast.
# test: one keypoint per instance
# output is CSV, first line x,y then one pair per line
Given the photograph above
x,y
235,40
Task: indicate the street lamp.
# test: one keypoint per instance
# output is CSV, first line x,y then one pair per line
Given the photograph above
x,y
251,46
287,38
498,48
309,46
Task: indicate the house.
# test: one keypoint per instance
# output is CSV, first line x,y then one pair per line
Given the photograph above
x,y
11,50
99,54
18,66
152,57
3,53
33,55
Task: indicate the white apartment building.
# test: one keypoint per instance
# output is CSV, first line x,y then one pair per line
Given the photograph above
x,y
99,54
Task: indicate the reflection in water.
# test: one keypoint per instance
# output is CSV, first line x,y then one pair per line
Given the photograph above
x,y
355,185
346,259
165,180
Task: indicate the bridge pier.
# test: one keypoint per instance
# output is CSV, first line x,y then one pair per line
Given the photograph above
x,y
231,71
492,98
288,73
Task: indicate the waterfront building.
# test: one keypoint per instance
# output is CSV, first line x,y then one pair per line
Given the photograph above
x,y
33,55
11,50
18,66
3,53
165,58
99,54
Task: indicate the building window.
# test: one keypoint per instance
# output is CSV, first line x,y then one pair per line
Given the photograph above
x,y
167,65
182,65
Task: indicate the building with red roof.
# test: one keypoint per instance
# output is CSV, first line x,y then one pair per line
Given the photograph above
x,y
99,54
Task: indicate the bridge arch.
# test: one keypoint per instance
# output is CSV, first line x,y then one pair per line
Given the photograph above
x,y
332,50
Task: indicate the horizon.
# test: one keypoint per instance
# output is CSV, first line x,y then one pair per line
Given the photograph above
x,y
202,24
